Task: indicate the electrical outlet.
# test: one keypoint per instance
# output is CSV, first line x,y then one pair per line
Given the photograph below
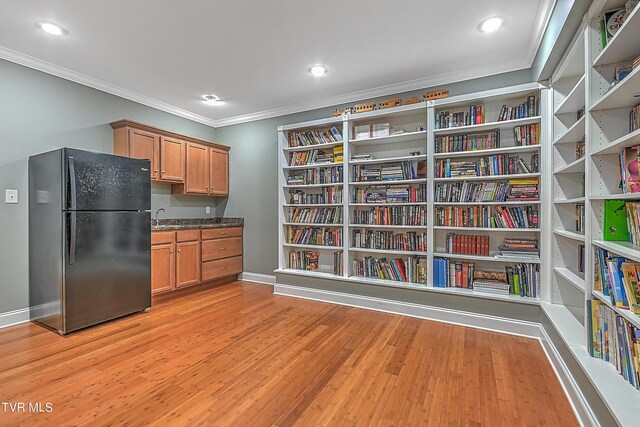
x,y
11,196
207,209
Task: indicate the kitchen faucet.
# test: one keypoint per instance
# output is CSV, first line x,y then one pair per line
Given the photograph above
x,y
158,213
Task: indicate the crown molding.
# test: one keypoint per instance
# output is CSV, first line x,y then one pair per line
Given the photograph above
x,y
64,73
540,27
392,89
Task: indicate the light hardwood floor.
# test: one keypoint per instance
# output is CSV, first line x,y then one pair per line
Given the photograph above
x,y
238,355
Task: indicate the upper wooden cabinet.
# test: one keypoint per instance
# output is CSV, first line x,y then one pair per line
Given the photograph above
x,y
193,166
218,172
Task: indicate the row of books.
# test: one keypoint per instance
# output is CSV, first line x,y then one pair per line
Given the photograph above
x,y
328,175
613,339
338,267
412,269
528,108
467,244
385,172
519,248
327,195
580,149
390,194
518,279
619,279
311,157
527,134
316,215
634,119
580,221
321,236
482,216
633,221
338,154
494,191
473,142
304,260
314,137
498,164
391,215
629,176
474,116
388,240
581,258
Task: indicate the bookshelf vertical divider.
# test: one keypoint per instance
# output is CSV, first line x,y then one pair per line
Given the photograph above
x,y
431,118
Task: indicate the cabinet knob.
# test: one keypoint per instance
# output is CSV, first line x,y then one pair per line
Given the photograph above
x,y
164,171
223,268
179,250
223,233
156,170
223,249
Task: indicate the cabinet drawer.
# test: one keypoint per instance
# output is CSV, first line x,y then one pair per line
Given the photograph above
x,y
221,268
162,237
218,233
221,248
188,235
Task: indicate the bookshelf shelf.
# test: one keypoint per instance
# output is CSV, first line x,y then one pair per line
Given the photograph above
x,y
314,147
570,235
624,44
390,139
572,277
312,224
616,146
625,249
627,314
473,293
480,153
574,100
507,124
383,183
388,251
324,247
388,160
389,227
569,201
335,184
509,230
491,258
389,204
489,177
573,134
622,95
621,196
506,203
313,166
311,205
577,166
309,273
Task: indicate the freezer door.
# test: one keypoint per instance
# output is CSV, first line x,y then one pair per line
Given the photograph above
x,y
108,266
103,182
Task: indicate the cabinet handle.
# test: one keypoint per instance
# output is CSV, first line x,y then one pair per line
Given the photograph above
x,y
156,170
223,233
223,249
223,268
171,250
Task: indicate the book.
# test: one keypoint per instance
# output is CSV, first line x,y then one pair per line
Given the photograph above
x,y
631,284
615,226
412,269
613,20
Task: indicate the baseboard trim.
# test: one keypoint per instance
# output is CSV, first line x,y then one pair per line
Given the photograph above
x,y
14,317
454,317
578,403
266,279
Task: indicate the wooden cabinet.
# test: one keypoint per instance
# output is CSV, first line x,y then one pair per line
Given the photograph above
x,y
189,257
218,172
191,165
197,181
172,159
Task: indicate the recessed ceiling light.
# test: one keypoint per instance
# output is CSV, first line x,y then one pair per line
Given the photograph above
x,y
490,25
317,70
51,28
212,100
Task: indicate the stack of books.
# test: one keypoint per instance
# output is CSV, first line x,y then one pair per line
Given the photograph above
x,y
304,260
467,244
316,215
527,135
457,143
613,339
362,157
446,119
314,236
519,248
314,137
338,154
636,62
528,108
621,71
413,269
524,189
310,157
391,215
328,175
379,239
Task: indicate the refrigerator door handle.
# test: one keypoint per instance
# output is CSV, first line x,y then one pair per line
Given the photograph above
x,y
72,185
72,238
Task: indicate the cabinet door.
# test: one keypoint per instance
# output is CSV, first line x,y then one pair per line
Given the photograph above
x,y
172,159
219,172
163,268
197,180
145,145
188,264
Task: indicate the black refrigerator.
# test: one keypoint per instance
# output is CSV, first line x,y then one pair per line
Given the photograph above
x,y
89,238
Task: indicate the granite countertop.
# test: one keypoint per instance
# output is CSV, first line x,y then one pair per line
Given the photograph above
x,y
188,223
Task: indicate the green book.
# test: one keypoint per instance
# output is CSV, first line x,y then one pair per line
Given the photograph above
x,y
603,32
616,228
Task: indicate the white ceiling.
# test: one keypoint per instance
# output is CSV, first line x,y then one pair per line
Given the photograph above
x,y
254,54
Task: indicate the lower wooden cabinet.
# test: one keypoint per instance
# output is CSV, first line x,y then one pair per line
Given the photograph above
x,y
189,257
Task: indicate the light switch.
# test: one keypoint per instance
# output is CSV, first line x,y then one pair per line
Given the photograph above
x,y
207,209
11,196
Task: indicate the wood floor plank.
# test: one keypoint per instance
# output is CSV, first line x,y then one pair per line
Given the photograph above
x,y
239,355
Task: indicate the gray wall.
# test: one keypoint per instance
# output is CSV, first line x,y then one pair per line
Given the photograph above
x,y
38,113
253,170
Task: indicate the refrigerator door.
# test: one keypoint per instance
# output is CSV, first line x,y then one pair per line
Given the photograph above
x,y
108,266
103,182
